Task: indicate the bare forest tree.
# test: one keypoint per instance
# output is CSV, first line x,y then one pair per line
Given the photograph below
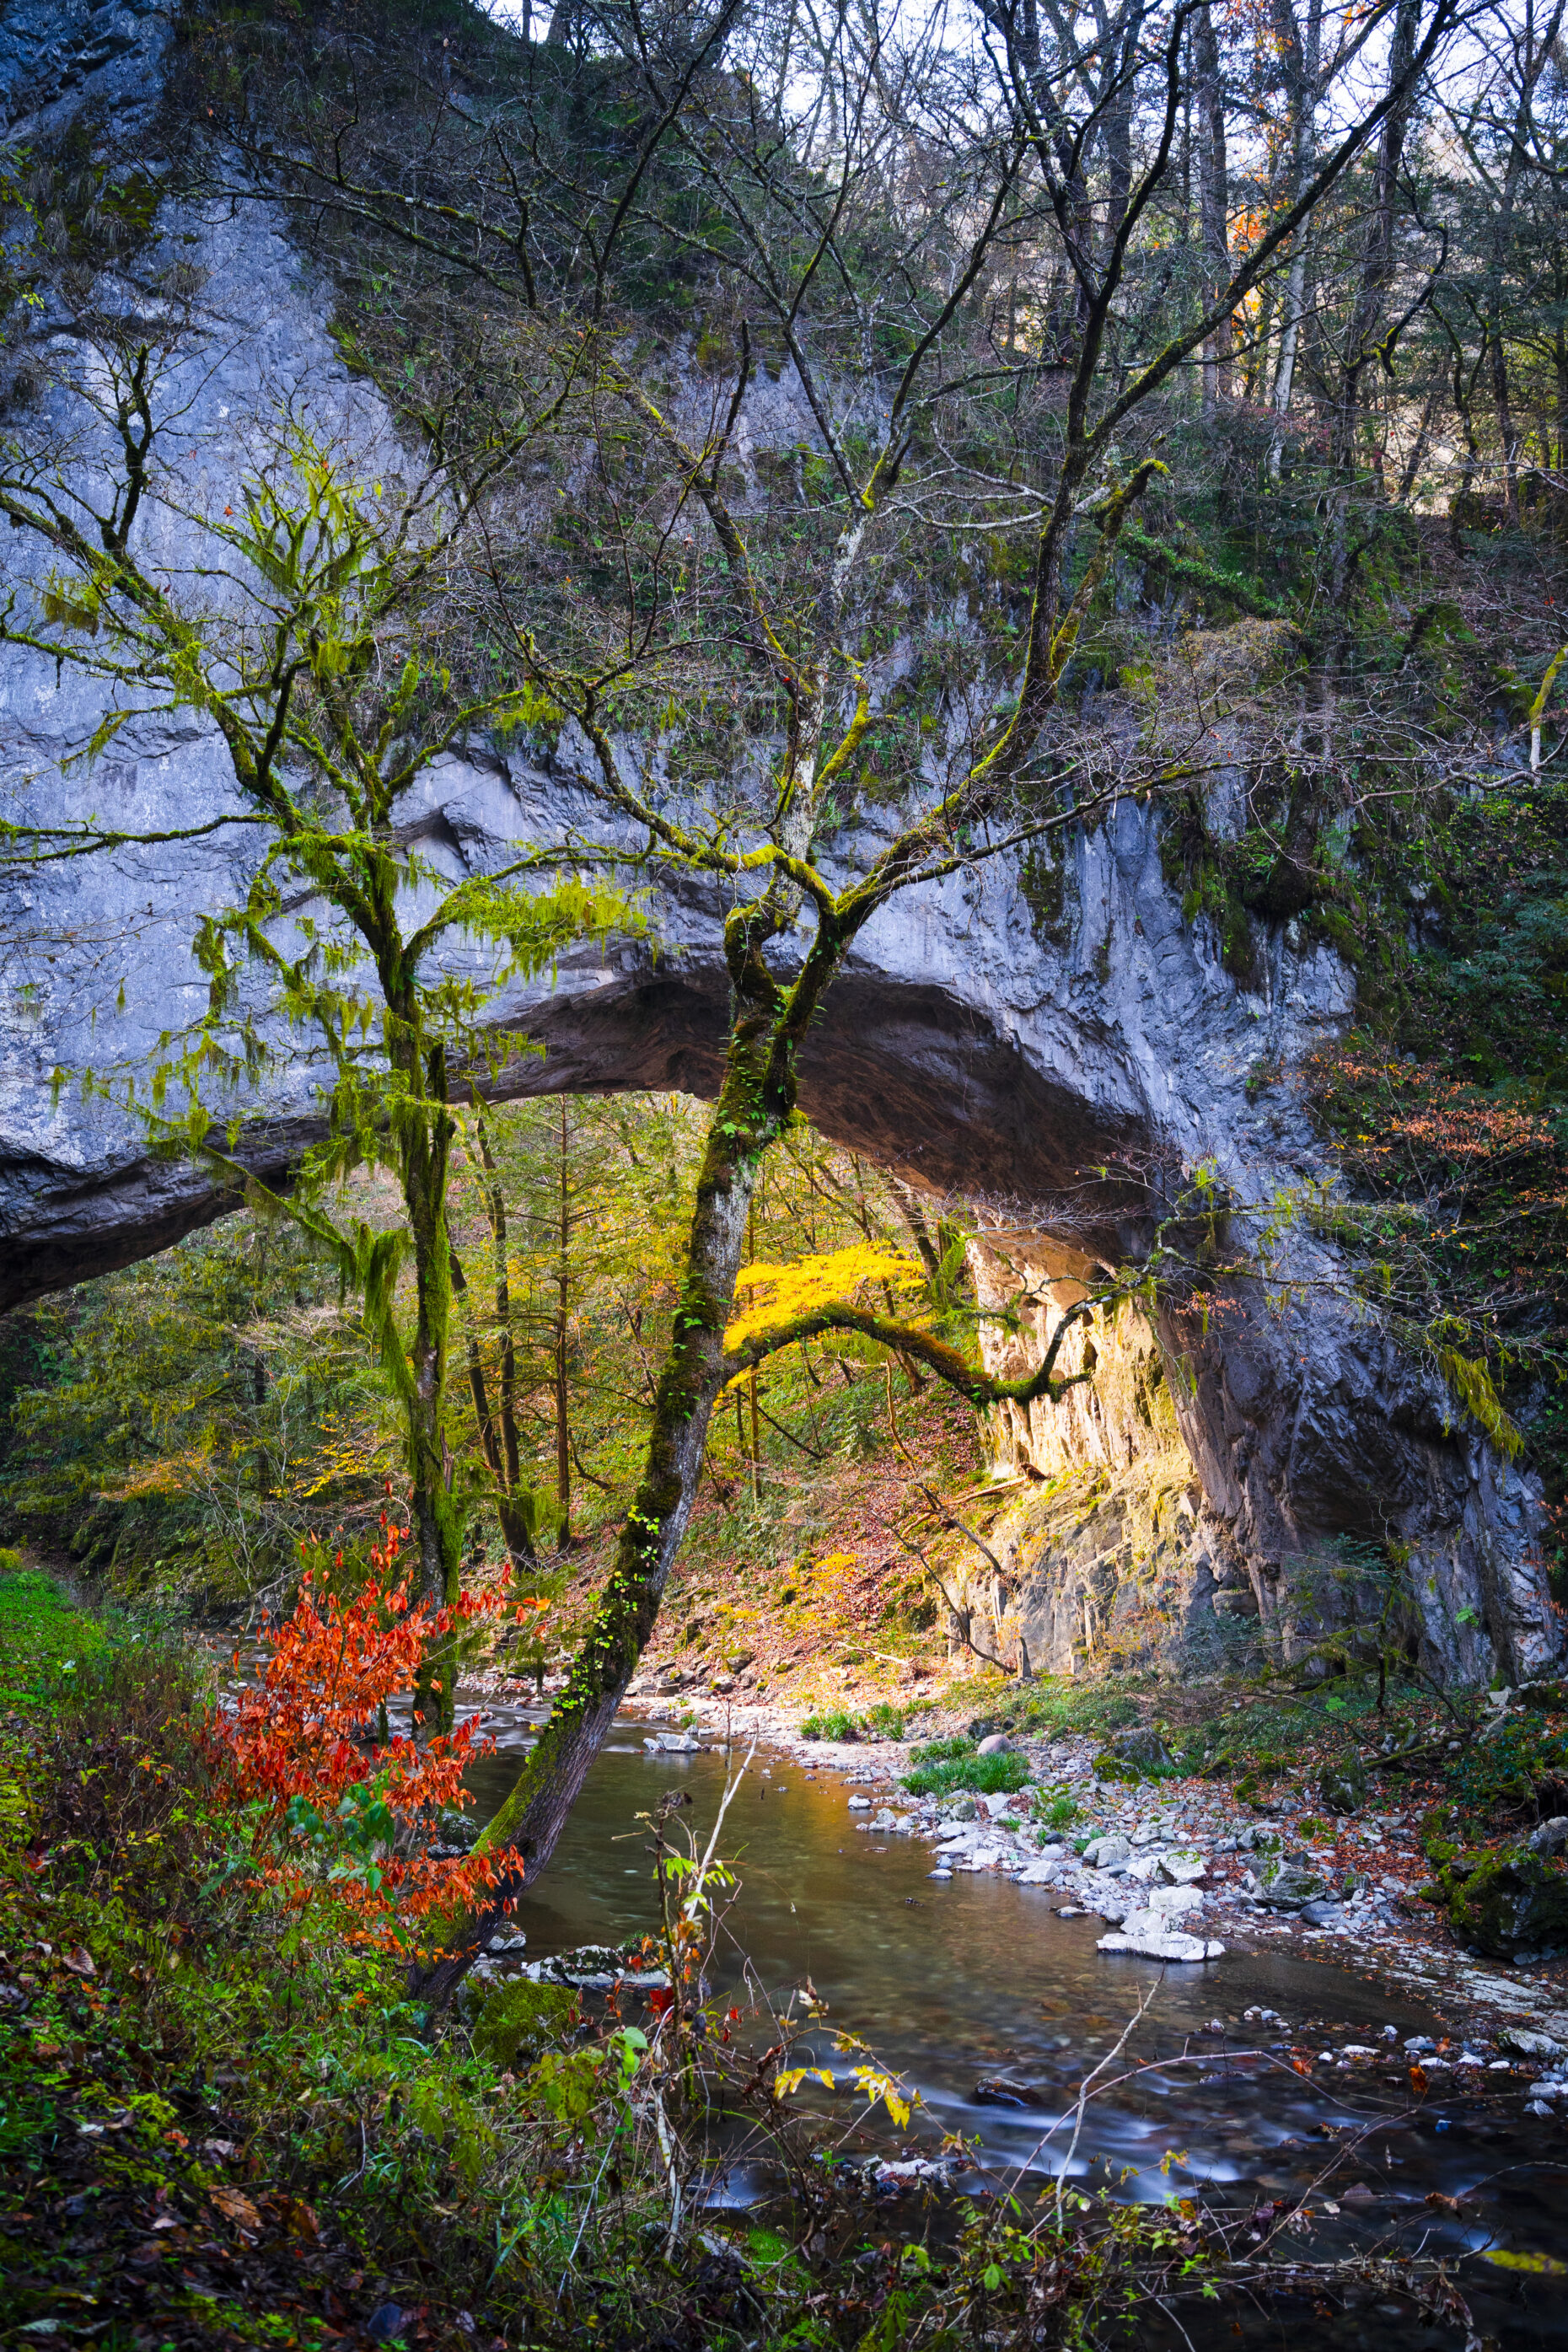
x,y
861,242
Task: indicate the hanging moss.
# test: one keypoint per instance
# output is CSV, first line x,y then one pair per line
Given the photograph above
x,y
1043,887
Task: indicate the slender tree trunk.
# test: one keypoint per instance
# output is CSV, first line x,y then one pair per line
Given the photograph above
x,y
1119,122
1285,373
1377,257
1537,47
563,1334
1255,375
422,1382
1418,456
1507,431
501,1276
498,1421
1300,48
1213,222
757,1097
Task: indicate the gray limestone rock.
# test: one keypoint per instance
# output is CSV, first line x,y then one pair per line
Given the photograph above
x,y
1322,1914
1526,2044
1290,1888
1148,1936
1183,1867
974,1043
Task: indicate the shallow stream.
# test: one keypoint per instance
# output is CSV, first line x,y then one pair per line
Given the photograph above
x,y
973,1982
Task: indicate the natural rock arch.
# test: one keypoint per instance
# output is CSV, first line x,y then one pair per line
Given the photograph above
x,y
978,1042
972,1048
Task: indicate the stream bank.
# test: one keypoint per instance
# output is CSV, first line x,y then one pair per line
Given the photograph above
x,y
227,2126
1386,1934
1276,2074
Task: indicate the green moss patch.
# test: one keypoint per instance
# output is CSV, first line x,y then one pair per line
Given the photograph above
x,y
1509,1902
518,2022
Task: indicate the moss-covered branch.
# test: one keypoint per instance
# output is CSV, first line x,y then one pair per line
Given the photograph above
x,y
1192,568
949,1363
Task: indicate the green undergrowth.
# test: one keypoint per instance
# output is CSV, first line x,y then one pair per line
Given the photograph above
x,y
43,1640
944,1767
1262,1742
883,1721
223,2123
1046,1710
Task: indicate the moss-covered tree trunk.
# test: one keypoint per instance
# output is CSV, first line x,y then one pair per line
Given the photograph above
x,y
425,1137
755,1104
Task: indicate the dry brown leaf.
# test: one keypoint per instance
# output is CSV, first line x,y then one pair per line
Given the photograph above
x,y
298,2216
236,2207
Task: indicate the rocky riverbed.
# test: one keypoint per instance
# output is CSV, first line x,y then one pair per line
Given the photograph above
x,y
1180,1871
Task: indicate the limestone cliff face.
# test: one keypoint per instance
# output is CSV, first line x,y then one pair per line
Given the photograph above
x,y
1237,1482
1003,1033
59,57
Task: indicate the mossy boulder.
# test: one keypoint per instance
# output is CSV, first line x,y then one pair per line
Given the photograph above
x,y
1507,1902
518,2022
1289,1887
1341,1787
1136,1756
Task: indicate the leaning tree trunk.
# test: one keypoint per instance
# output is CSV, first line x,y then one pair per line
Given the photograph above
x,y
756,1100
435,1510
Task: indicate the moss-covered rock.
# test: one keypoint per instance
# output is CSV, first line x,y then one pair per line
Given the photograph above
x,y
518,2022
1343,1786
1289,1887
1506,1902
1136,1756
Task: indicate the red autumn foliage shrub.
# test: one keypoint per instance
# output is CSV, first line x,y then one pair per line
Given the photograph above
x,y
337,1810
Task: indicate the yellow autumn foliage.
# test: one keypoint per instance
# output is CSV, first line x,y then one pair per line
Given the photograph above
x,y
781,1293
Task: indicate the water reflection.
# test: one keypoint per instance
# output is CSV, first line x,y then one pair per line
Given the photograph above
x,y
972,1989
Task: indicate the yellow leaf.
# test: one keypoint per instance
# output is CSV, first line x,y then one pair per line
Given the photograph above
x,y
785,2083
878,2085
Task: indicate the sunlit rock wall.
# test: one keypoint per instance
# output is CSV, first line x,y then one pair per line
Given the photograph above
x,y
1238,1483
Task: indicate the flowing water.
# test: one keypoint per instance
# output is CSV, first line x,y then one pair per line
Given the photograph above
x,y
976,1993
